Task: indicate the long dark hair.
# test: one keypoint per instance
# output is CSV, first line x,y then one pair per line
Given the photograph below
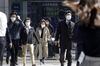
x,y
92,17
82,3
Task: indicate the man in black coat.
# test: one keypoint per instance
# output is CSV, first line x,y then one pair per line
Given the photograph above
x,y
64,33
14,26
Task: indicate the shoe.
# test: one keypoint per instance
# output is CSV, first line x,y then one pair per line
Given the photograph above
x,y
34,65
41,61
77,63
7,61
12,63
16,63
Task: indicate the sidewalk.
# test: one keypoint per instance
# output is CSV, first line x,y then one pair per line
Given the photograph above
x,y
47,63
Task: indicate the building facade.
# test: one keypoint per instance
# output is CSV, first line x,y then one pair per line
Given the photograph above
x,y
35,9
4,6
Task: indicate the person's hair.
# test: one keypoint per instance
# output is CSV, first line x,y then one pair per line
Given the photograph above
x,y
68,11
91,2
83,3
47,18
13,13
92,17
27,18
42,21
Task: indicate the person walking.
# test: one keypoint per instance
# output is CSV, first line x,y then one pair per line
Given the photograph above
x,y
28,39
14,27
64,34
3,27
51,46
44,35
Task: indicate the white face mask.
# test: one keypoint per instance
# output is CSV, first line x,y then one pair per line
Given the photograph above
x,y
68,17
13,19
42,26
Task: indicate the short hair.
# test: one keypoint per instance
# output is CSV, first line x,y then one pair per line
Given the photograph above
x,y
47,19
13,13
68,11
27,18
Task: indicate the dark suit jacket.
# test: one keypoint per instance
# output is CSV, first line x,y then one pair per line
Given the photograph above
x,y
30,38
8,37
14,29
63,34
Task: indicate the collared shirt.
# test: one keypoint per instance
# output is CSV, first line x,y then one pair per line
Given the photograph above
x,y
3,24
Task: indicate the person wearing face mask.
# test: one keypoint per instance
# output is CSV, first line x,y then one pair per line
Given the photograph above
x,y
64,34
44,35
14,27
51,46
28,39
